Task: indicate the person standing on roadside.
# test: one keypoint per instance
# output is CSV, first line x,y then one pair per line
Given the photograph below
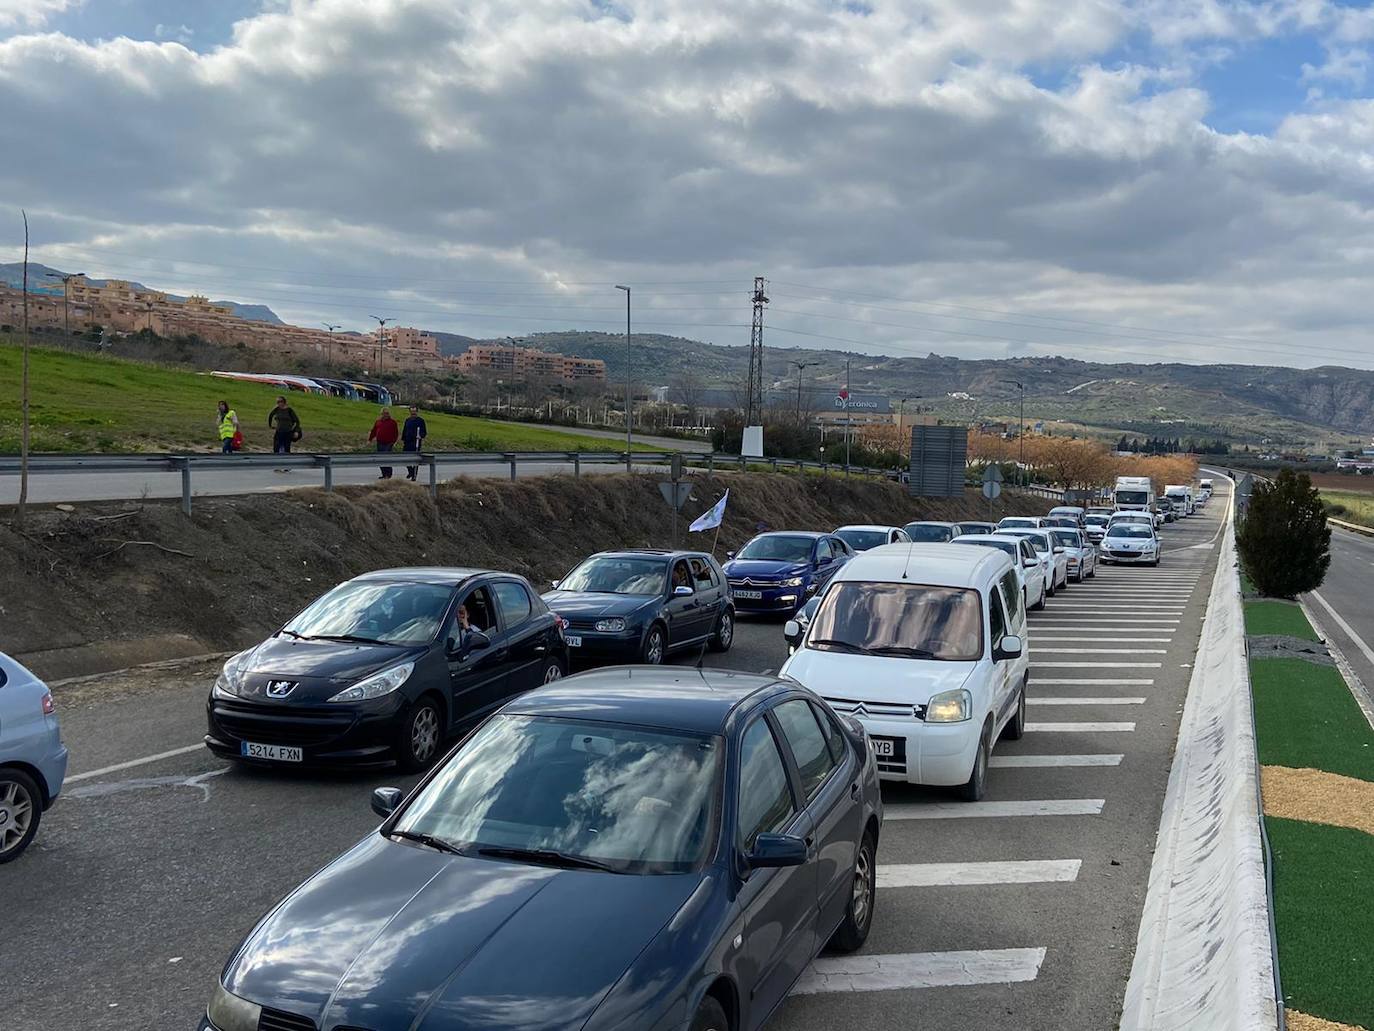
x,y
413,435
286,428
385,432
228,428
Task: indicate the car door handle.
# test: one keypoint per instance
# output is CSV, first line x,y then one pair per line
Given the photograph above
x,y
540,649
854,790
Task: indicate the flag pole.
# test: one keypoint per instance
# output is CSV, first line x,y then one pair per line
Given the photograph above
x,y
715,539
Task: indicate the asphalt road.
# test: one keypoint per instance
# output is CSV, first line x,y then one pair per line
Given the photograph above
x,y
144,878
1347,591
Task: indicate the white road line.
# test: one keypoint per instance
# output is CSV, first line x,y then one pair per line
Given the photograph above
x,y
1102,640
896,971
1080,728
945,875
1101,623
1097,651
1365,650
1085,701
1093,682
973,810
1089,607
1037,664
135,762
1018,762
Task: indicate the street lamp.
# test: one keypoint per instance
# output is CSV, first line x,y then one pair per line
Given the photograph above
x,y
331,327
381,340
799,366
629,395
66,281
1021,387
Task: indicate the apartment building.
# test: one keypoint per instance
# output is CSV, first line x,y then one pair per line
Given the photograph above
x,y
530,363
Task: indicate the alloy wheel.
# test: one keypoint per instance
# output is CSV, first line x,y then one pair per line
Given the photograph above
x,y
424,733
554,672
16,814
863,886
653,651
727,630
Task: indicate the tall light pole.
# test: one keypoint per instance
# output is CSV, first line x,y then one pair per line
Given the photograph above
x,y
1021,387
66,281
331,327
629,394
381,339
848,418
799,366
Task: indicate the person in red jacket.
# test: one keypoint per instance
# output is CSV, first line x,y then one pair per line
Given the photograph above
x,y
385,432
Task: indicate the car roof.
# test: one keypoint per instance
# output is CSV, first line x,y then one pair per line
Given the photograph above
x,y
671,697
447,575
972,539
937,565
928,522
662,553
868,526
813,534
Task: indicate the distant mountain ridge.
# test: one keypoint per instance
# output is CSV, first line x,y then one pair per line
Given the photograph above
x,y
42,279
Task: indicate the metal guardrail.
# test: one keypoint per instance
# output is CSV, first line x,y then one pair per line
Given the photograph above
x,y
186,464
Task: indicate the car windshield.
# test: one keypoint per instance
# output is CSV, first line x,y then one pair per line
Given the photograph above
x,y
778,548
908,621
1097,520
1067,538
1037,542
554,790
928,533
1132,497
862,540
384,613
1024,523
1007,546
1130,530
609,574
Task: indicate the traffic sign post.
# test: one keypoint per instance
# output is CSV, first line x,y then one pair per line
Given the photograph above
x,y
676,494
992,486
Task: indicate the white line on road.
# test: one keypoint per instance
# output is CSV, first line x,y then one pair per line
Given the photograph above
x,y
1101,623
1101,651
1349,630
134,762
943,875
1093,682
1079,728
1018,762
1095,638
1085,701
869,973
972,810
1037,664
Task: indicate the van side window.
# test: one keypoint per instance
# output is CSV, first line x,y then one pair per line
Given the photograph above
x,y
1011,594
997,622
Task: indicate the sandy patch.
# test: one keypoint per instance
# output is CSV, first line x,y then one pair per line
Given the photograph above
x,y
1303,1022
1318,797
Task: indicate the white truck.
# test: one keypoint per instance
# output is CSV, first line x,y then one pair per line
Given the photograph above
x,y
1133,494
1182,496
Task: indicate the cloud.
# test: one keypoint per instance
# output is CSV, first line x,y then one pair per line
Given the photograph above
x,y
411,153
32,13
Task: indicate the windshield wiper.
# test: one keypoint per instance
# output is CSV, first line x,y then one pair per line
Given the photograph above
x,y
350,638
910,653
299,637
547,856
844,646
438,844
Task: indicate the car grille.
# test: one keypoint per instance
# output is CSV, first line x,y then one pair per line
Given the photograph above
x,y
877,710
279,1020
582,624
890,765
301,725
753,581
1116,553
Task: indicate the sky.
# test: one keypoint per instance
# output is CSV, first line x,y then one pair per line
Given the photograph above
x,y
1114,180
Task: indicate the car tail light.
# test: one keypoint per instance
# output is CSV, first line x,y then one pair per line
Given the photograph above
x,y
560,622
48,707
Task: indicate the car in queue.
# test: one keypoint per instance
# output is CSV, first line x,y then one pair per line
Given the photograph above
x,y
1074,512
793,629
1079,551
1164,505
1095,526
33,759
641,605
1030,570
929,531
776,572
385,667
632,848
1020,523
1130,542
862,537
925,646
1141,518
1055,559
1063,522
966,528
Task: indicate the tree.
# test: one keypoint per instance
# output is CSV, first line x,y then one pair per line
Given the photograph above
x,y
1284,542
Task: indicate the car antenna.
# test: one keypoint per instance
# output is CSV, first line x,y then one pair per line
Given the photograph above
x,y
907,564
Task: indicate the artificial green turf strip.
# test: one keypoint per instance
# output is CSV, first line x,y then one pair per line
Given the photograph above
x,y
1277,617
1324,916
1306,717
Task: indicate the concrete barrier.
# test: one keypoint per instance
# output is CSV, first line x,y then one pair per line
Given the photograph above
x,y
1352,527
1204,956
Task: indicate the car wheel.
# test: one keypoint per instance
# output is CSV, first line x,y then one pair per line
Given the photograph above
x,y
1156,561
553,672
1015,729
421,735
710,1016
858,912
21,809
977,784
724,635
1049,591
1039,606
1092,575
655,645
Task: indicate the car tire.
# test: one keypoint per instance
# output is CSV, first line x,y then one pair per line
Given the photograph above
x,y
554,671
655,646
1156,561
1093,574
21,810
710,1016
724,634
420,735
1049,591
1015,728
1039,606
976,786
863,895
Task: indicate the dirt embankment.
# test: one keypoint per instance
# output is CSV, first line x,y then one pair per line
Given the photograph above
x,y
112,585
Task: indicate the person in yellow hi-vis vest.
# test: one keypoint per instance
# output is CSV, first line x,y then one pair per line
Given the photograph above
x,y
229,436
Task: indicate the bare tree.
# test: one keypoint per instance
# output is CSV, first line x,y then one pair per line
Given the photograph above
x,y
688,387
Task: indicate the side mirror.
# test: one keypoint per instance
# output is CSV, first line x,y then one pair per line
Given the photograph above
x,y
476,641
385,801
1058,550
554,584
1029,563
792,631
1010,647
683,591
776,850
729,556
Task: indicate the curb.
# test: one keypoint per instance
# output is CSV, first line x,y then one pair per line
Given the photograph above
x,y
1365,531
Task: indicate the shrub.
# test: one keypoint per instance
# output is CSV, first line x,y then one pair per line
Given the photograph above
x,y
1284,541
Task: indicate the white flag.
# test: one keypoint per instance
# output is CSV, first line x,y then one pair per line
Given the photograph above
x,y
710,520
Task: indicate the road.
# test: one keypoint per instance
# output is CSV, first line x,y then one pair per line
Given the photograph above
x,y
1344,605
145,877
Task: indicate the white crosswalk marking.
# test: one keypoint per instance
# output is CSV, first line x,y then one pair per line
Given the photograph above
x,y
868,973
1099,651
1017,762
1093,682
1037,664
935,875
1079,728
1085,701
975,810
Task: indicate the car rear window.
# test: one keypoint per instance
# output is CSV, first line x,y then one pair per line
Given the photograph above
x,y
928,534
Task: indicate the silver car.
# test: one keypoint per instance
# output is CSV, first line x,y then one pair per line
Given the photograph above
x,y
33,760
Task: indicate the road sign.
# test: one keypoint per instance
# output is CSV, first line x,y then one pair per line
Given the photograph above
x,y
676,494
992,474
992,490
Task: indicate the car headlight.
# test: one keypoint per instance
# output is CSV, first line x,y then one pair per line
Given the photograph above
x,y
610,626
230,1013
950,707
793,581
376,685
227,683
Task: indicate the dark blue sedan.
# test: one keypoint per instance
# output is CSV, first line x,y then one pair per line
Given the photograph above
x,y
780,571
632,849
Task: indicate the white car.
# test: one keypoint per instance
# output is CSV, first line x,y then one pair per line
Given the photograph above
x,y
1052,555
1074,512
925,646
1081,555
1130,542
1030,571
1143,518
1095,526
862,537
1019,523
928,531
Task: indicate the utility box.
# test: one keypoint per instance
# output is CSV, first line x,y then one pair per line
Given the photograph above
x,y
939,457
752,447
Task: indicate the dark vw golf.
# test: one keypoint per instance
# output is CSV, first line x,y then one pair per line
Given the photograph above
x,y
385,667
632,849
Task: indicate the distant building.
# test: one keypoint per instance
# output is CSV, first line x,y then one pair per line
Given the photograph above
x,y
417,341
530,363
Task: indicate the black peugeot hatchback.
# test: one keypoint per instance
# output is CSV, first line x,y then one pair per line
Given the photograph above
x,y
385,667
